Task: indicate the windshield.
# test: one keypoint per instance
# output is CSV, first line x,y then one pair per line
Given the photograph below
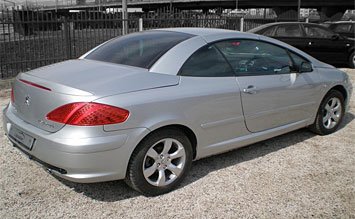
x,y
139,49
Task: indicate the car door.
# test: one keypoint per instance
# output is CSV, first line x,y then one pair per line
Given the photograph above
x,y
325,45
213,97
272,93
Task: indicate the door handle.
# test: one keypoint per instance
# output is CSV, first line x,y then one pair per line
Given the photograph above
x,y
310,43
251,89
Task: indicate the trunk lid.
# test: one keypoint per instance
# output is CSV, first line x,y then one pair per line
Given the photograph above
x,y
102,78
77,81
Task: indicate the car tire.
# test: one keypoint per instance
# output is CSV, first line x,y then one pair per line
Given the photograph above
x,y
352,60
160,162
330,113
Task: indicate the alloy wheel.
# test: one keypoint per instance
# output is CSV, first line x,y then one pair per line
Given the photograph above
x,y
332,113
164,162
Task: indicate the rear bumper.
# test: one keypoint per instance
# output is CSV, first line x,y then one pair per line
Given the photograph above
x,y
78,154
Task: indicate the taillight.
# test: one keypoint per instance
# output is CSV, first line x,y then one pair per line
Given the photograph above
x,y
12,95
88,114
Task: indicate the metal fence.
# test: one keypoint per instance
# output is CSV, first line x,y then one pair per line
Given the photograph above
x,y
30,39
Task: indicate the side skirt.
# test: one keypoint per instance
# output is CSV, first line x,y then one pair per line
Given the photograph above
x,y
251,138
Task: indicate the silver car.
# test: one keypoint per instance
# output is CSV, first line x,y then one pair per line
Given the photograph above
x,y
143,106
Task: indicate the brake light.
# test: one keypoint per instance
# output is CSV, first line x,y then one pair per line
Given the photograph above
x,y
88,114
12,95
35,85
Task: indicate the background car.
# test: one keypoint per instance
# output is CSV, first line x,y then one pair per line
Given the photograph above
x,y
316,40
143,106
344,28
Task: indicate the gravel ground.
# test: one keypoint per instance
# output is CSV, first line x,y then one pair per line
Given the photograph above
x,y
297,175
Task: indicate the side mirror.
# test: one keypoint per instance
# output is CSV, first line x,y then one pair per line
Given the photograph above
x,y
306,67
335,37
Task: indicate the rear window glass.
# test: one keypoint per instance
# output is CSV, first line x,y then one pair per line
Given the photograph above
x,y
138,49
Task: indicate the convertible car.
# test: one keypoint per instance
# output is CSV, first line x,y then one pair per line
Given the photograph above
x,y
142,107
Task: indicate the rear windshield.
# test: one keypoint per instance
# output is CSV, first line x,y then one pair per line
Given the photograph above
x,y
139,49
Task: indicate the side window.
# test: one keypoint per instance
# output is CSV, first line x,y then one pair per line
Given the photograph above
x,y
288,30
298,61
317,32
251,57
342,28
267,31
206,62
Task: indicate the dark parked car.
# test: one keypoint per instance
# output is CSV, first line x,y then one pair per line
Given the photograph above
x,y
316,40
344,28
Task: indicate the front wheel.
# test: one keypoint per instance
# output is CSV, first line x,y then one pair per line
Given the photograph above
x,y
160,162
330,113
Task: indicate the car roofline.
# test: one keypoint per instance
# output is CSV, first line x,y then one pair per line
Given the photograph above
x,y
197,31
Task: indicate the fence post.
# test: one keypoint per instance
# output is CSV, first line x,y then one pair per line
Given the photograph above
x,y
67,38
124,17
140,24
242,24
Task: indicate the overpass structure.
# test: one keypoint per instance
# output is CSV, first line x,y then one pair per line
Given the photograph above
x,y
328,9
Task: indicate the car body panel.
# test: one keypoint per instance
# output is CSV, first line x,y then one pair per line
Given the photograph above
x,y
78,81
33,104
279,99
213,108
88,154
171,61
102,78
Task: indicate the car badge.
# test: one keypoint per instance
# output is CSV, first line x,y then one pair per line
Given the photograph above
x,y
27,100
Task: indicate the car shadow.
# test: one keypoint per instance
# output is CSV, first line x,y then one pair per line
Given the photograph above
x,y
349,117
104,191
118,190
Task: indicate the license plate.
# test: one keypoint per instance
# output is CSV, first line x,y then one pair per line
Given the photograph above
x,y
21,138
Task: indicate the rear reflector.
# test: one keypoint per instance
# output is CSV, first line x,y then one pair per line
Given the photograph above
x,y
88,114
35,85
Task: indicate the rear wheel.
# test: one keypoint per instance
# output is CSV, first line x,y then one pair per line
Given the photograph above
x,y
160,162
330,113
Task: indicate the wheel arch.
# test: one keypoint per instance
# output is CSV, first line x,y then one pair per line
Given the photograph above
x,y
186,130
341,89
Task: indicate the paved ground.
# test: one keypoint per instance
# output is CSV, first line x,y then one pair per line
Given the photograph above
x,y
296,175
